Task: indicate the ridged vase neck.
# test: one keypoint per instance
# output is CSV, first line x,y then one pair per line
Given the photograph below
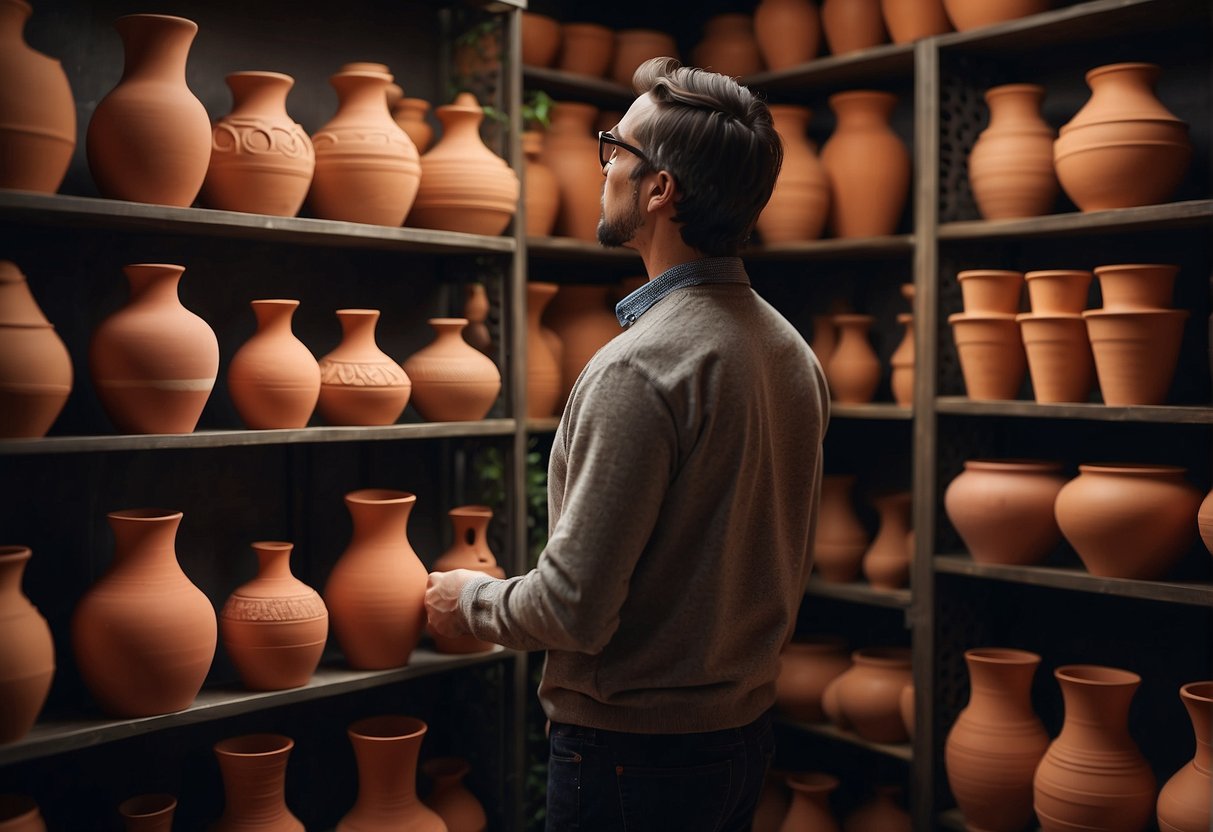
x,y
254,787
156,46
381,518
274,316
145,542
358,328
259,94
1096,712
153,283
13,15
12,567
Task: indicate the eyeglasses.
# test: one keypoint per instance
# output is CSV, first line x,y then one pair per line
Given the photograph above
x,y
604,156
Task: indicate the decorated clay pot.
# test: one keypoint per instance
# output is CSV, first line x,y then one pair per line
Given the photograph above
x,y
149,139
386,750
583,318
35,368
1136,286
635,46
902,364
19,813
810,807
273,379
807,665
469,549
571,152
27,653
450,799
540,39
409,114
881,814
1011,164
1003,509
1059,356
728,46
788,32
359,383
452,381
868,165
1129,520
1136,352
585,49
972,14
841,538
990,291
800,202
253,768
542,363
854,368
1058,291
868,695
910,20
148,812
992,359
542,192
851,25
886,564
1183,803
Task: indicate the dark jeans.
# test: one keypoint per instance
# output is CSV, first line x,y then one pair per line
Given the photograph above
x,y
611,781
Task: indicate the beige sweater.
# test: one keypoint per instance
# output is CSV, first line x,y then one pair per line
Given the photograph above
x,y
683,490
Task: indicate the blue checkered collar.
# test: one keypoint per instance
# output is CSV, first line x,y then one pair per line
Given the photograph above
x,y
691,273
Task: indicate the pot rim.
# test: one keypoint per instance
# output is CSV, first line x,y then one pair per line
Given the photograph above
x,y
387,728
254,745
812,781
1130,468
1136,313
1115,267
380,496
1002,655
147,805
1014,464
1097,675
1201,692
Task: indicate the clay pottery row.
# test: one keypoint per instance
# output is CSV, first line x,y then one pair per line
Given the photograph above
x,y
27,652
788,32
866,698
635,46
1003,509
585,49
867,164
19,813
148,812
807,665
540,39
1183,802
35,368
570,152
973,14
729,46
541,194
1011,163
468,550
852,25
450,799
911,20
800,201
386,750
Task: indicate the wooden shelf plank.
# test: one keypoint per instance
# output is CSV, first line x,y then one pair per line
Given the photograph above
x,y
547,425
898,751
569,248
1194,213
887,62
875,410
860,593
1160,414
893,247
558,83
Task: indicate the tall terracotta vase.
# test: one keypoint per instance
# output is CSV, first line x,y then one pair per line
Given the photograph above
x,y
143,634
1011,164
902,363
868,695
148,812
800,202
154,362
635,46
807,665
1184,804
273,379
841,538
911,20
375,593
261,160
788,32
854,369
469,550
729,46
359,383
571,152
991,352
868,165
973,14
810,809
542,193
1123,147
27,653
37,111
994,746
1093,776
452,380
542,364
149,139
253,768
1003,509
583,317
886,564
464,185
19,813
883,813
386,750
274,627
367,168
851,25
35,368
410,114
450,799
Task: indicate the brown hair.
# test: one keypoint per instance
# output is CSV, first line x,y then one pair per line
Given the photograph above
x,y
716,139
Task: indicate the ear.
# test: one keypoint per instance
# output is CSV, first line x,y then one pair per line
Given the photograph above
x,y
660,191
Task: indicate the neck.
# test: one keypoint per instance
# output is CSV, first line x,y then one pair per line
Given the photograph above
x,y
662,248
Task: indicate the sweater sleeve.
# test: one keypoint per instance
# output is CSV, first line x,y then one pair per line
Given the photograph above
x,y
622,446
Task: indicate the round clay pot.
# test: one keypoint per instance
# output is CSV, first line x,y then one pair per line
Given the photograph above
x,y
635,46
450,799
886,564
359,383
541,195
468,550
911,20
729,46
990,291
1128,520
1183,803
807,665
542,363
386,750
273,379
973,14
1204,521
1011,164
851,25
27,653
1003,509
1058,291
1139,286
868,165
991,352
540,39
869,693
583,318
883,813
902,363
788,32
1059,356
253,768
35,368
810,807
148,812
452,381
585,49
800,201
854,368
840,539
19,813
1136,352
409,114
571,152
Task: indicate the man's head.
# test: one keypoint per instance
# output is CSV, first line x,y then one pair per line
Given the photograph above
x,y
705,136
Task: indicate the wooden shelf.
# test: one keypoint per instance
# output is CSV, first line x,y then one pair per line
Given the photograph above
x,y
547,425
1195,213
569,248
60,735
1161,414
872,66
894,247
558,83
875,410
898,751
859,593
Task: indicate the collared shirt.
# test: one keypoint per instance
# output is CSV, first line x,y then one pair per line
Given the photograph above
x,y
691,273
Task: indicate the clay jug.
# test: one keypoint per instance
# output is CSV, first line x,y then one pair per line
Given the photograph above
x,y
571,153
1184,803
881,814
19,813
583,317
990,291
476,310
585,49
464,185
851,25
902,363
868,694
143,634
994,746
800,201
35,368
367,168
261,160
886,564
37,111
788,32
911,20
409,114
452,381
148,812
1011,164
274,627
1059,356
635,46
972,14
1136,352
1136,286
1092,775
450,799
854,368
807,665
359,383
153,361
375,593
253,768
273,379
149,139
1058,291
840,538
468,550
1204,521
1003,509
867,164
386,749
542,364
542,193
1123,147
729,46
27,653
540,39
992,358
810,808
1129,520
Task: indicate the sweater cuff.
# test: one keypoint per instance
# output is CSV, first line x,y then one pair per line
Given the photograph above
x,y
468,596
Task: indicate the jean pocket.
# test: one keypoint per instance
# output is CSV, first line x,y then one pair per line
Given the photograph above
x,y
564,784
691,798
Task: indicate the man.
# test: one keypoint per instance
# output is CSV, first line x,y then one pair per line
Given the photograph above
x,y
683,490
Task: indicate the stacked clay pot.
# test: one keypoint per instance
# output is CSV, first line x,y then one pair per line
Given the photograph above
x,y
728,46
800,201
1055,335
468,550
807,665
452,380
841,538
1003,509
853,369
635,46
35,368
1011,164
866,698
359,383
585,49
987,334
273,379
867,163
788,32
911,20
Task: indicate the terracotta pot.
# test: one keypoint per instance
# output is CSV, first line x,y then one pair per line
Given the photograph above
x,y
154,362
476,310
27,653
729,46
869,693
1183,803
19,813
854,369
583,318
910,20
773,802
541,194
902,364
1136,352
464,185
585,49
273,379
450,799
409,114
1003,509
253,768
990,291
469,549
452,381
841,539
972,14
1123,148
143,634
35,368
1128,520
881,814
542,363
148,812
905,704
275,626
1059,356
868,165
571,152
825,338
1011,164
810,808
886,564
37,111
851,25
807,665
1135,287
540,39
1058,291
149,139
800,202
1093,775
996,742
1204,521
375,593
386,749
635,46
991,352
788,32
359,383
367,168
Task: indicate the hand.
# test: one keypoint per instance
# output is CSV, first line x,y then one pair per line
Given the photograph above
x,y
442,602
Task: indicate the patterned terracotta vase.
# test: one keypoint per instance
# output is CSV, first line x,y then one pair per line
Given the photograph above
x,y
452,381
148,812
973,14
542,194
571,152
868,695
386,749
27,653
635,46
854,369
253,768
886,564
35,368
273,379
851,25
800,201
583,318
810,809
910,20
788,32
450,799
542,363
1003,509
1011,164
841,539
359,383
410,114
868,165
728,46
1184,804
807,665
469,550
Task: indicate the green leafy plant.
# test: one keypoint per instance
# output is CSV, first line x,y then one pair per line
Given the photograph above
x,y
536,111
